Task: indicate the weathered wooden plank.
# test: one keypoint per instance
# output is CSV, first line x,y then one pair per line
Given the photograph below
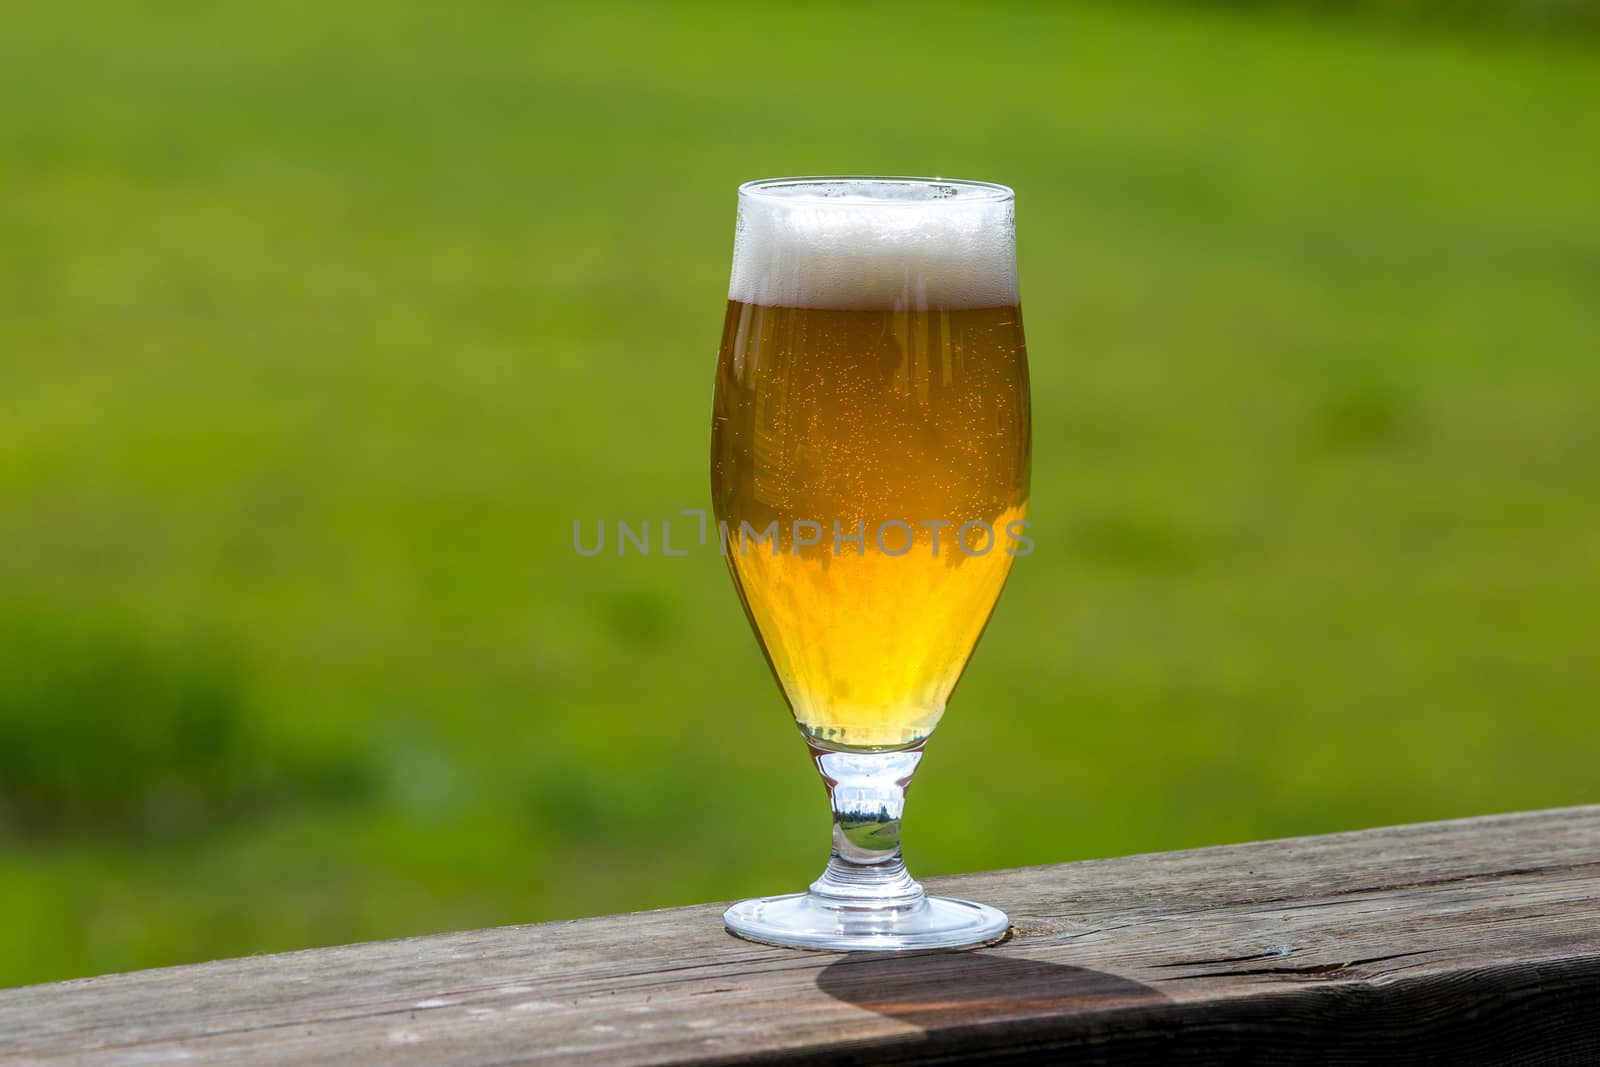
x,y
1461,942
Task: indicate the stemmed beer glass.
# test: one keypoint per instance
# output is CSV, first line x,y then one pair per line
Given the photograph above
x,y
869,468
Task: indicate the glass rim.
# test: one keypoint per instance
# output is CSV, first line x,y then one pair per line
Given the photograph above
x,y
981,192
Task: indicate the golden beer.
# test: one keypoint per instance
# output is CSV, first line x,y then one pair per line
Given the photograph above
x,y
870,456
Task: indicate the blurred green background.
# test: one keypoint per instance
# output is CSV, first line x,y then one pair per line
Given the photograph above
x,y
321,323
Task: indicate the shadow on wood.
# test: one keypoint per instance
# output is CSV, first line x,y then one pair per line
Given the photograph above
x,y
938,990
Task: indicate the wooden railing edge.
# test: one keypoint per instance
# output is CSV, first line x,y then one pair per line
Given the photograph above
x,y
1477,939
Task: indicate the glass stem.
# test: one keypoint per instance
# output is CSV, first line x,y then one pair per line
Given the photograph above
x,y
867,791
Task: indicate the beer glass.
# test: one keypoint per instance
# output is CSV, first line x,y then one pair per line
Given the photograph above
x,y
869,470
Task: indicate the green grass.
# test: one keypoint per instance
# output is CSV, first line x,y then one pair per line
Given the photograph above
x,y
320,324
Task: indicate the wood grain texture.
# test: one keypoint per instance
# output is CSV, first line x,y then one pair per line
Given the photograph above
x,y
1475,941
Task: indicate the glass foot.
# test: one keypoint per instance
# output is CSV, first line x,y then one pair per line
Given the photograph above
x,y
803,920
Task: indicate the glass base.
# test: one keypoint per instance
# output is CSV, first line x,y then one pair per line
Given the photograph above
x,y
804,920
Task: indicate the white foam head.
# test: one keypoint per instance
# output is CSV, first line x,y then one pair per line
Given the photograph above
x,y
892,243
